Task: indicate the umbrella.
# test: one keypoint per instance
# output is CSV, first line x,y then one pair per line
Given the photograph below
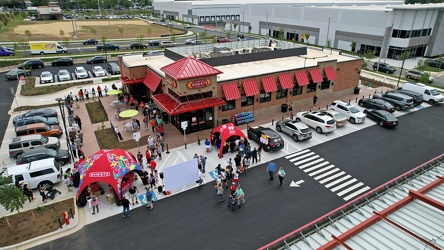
x,y
128,113
114,92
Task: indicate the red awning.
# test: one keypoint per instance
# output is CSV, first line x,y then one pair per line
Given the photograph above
x,y
250,87
152,81
330,73
173,107
285,80
301,78
231,91
126,81
316,75
269,84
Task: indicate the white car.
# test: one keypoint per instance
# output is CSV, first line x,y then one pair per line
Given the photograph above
x,y
349,111
98,71
46,77
81,72
189,41
319,121
64,75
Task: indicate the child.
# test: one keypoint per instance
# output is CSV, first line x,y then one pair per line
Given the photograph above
x,y
95,204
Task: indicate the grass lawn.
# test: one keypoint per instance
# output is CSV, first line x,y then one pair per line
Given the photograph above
x,y
107,139
30,88
33,223
96,112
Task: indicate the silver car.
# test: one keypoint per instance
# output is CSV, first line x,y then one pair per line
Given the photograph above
x,y
46,77
64,75
297,130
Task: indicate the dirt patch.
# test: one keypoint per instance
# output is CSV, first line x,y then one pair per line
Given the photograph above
x,y
25,226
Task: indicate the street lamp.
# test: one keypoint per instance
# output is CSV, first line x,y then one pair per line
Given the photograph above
x,y
62,113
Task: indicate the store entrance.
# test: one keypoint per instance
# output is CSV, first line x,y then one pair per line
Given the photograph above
x,y
197,120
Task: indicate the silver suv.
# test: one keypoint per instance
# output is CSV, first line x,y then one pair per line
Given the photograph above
x,y
400,101
297,130
23,144
416,75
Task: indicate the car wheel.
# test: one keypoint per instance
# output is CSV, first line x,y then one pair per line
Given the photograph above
x,y
28,73
319,130
40,66
361,104
409,77
297,119
352,120
278,128
96,42
381,123
398,108
295,138
432,102
374,68
388,71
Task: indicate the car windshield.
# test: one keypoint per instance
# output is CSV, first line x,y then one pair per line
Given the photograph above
x,y
44,139
338,116
47,127
387,116
434,92
330,122
81,70
354,110
63,72
46,74
306,130
51,152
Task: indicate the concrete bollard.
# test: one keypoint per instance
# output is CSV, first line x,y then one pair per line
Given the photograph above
x,y
272,121
167,149
198,139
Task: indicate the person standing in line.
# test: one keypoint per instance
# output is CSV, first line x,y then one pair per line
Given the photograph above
x,y
145,122
219,192
238,161
140,158
95,204
223,177
315,99
145,178
93,92
270,169
153,124
117,131
74,149
86,93
207,145
152,165
233,188
99,91
203,160
106,90
281,174
70,119
152,181
149,195
126,207
254,156
78,121
200,180
42,188
88,196
159,151
133,194
148,155
246,164
259,152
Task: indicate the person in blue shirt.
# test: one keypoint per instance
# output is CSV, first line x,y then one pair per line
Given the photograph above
x,y
149,198
207,145
271,168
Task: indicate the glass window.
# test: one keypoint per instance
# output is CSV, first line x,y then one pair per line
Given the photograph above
x,y
403,34
229,105
281,93
297,90
246,100
395,33
264,97
311,87
325,84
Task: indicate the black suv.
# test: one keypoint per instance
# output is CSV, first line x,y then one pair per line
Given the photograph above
x,y
64,61
136,45
108,46
269,139
32,64
400,101
61,156
36,119
417,98
45,112
436,63
90,41
383,67
96,59
113,68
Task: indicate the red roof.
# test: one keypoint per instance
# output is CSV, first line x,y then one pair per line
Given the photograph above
x,y
126,81
250,87
231,91
269,84
173,107
302,78
285,80
330,73
316,75
152,81
189,67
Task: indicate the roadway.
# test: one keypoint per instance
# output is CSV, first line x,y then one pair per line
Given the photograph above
x,y
194,219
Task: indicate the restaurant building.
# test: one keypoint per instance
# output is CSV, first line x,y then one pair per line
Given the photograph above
x,y
205,92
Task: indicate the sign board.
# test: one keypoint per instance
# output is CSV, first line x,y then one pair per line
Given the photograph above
x,y
201,83
184,125
136,136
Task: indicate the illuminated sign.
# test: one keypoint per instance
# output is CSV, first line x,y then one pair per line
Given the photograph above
x,y
171,82
198,84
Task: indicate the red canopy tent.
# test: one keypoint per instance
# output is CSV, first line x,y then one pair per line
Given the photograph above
x,y
226,131
109,166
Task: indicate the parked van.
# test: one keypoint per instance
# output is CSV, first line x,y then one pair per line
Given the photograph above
x,y
23,144
165,44
46,171
430,95
39,128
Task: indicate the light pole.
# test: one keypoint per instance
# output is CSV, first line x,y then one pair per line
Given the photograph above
x,y
62,113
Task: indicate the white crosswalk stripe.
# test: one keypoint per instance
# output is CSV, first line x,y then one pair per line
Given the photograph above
x,y
327,174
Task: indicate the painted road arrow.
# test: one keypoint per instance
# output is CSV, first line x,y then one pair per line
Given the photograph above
x,y
296,184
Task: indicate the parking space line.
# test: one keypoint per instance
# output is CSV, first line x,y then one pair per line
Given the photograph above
x,y
90,74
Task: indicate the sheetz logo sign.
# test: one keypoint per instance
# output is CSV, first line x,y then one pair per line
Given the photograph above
x,y
99,174
198,83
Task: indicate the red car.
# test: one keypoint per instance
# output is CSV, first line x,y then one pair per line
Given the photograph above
x,y
223,40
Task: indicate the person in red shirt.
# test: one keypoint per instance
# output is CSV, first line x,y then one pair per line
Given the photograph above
x,y
148,155
159,130
153,165
99,91
131,100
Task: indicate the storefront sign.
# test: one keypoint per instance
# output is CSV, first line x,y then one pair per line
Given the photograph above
x,y
171,82
198,84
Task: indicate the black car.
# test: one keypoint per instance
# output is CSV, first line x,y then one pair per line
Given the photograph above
x,y
113,68
61,156
417,98
36,119
7,48
64,61
32,64
96,59
376,104
269,139
108,46
90,41
154,43
136,45
382,117
45,112
383,67
16,73
436,63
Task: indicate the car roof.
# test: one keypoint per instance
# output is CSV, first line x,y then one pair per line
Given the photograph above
x,y
35,151
28,126
80,67
267,131
27,138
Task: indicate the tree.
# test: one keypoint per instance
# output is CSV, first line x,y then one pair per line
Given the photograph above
x,y
28,33
149,31
37,3
424,77
12,198
62,33
369,55
204,35
281,34
140,40
5,20
229,34
353,45
405,55
93,31
307,36
120,29
173,38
